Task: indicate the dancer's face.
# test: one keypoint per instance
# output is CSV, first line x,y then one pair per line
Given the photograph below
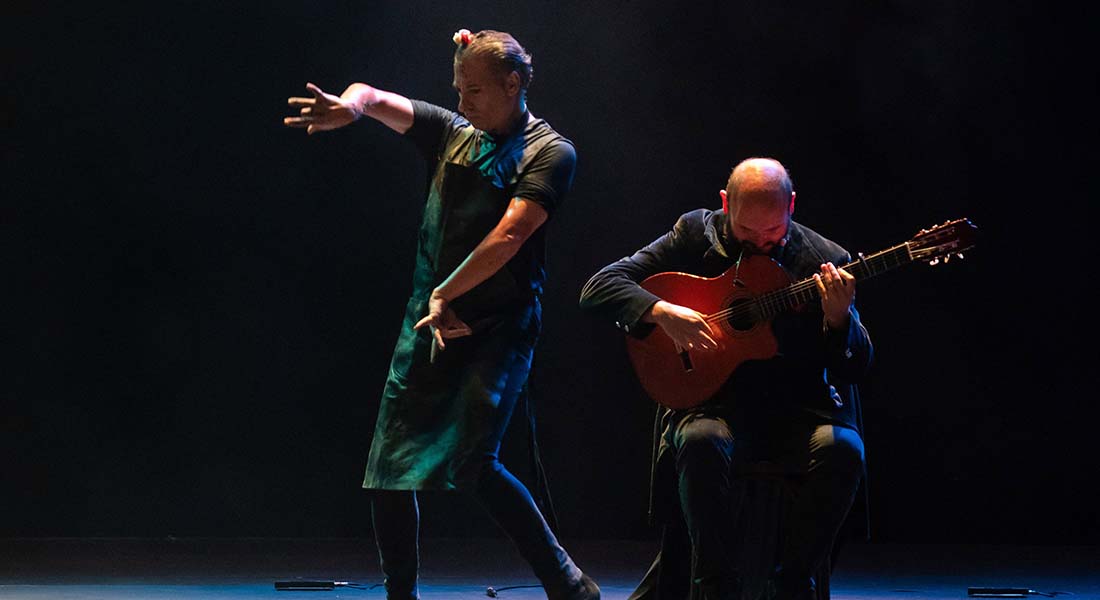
x,y
486,98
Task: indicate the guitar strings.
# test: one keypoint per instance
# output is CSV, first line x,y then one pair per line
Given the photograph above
x,y
772,302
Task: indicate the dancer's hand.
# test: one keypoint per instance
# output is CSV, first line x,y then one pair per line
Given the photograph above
x,y
443,322
322,112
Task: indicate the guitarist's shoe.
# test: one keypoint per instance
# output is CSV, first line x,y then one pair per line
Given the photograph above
x,y
728,588
781,588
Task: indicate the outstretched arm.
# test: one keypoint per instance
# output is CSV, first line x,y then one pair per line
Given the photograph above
x,y
324,112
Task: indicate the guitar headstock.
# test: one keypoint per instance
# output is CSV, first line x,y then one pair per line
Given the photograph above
x,y
942,242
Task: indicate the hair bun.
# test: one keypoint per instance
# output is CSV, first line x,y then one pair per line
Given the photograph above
x,y
462,37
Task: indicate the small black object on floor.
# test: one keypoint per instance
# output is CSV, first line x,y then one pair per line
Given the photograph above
x,y
467,569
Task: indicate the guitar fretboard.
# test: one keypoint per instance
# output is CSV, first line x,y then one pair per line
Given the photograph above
x,y
772,303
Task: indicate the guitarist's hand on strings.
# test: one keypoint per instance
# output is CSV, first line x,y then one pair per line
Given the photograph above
x,y
443,322
837,289
686,327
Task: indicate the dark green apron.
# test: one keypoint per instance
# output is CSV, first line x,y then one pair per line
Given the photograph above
x,y
438,421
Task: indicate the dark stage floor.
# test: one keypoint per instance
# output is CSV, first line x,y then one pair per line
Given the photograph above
x,y
462,569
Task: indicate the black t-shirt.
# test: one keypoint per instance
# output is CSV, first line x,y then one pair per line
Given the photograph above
x,y
536,163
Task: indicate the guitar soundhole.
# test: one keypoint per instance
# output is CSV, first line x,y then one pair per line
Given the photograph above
x,y
742,314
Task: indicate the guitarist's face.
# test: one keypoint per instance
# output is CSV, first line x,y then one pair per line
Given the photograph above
x,y
759,219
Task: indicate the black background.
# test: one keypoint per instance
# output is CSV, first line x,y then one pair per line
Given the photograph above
x,y
199,304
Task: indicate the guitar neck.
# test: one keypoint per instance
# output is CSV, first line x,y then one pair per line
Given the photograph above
x,y
804,291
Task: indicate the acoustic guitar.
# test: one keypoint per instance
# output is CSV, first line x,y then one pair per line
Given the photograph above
x,y
740,304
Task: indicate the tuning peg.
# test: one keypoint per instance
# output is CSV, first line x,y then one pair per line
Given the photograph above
x,y
946,258
933,262
960,255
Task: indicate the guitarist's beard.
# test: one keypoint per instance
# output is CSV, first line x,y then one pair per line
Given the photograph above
x,y
750,248
772,249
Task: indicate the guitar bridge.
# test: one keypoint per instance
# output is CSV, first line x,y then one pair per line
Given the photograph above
x,y
685,358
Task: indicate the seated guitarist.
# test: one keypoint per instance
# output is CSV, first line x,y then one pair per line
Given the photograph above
x,y
791,410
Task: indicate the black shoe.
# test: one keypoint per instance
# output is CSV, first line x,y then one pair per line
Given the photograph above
x,y
719,589
583,589
403,593
785,589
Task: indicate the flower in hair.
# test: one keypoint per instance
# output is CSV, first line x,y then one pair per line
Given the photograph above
x,y
462,37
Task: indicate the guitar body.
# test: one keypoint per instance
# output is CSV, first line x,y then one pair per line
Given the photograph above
x,y
680,381
742,319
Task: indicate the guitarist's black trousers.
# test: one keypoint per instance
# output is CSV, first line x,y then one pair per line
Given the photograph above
x,y
826,458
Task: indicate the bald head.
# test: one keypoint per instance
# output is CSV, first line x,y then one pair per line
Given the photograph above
x,y
759,201
759,180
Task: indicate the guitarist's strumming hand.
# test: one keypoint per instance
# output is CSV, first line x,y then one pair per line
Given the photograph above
x,y
686,327
837,289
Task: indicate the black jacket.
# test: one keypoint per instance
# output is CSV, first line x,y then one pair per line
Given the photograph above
x,y
813,375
